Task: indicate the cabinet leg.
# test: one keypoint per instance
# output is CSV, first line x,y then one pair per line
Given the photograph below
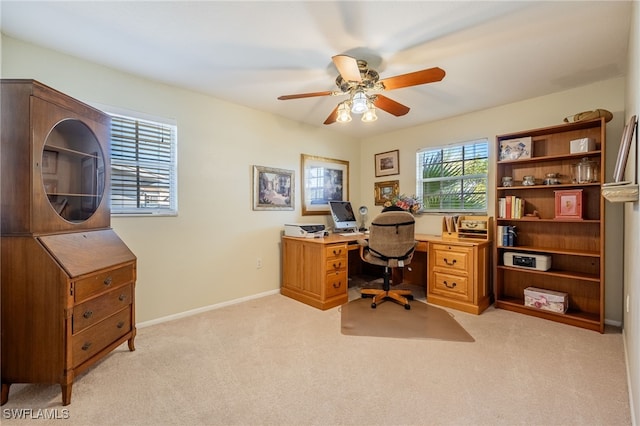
x,y
132,346
5,393
66,393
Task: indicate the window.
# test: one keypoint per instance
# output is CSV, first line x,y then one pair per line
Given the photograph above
x,y
453,178
143,166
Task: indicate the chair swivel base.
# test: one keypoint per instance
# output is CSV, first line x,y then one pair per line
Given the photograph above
x,y
380,296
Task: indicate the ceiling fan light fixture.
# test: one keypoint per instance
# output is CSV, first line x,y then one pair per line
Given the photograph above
x,y
370,115
359,102
344,115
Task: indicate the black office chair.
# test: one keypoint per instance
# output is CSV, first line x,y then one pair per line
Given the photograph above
x,y
391,244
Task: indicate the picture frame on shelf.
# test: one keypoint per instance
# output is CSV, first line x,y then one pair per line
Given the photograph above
x,y
89,183
273,188
568,204
323,180
516,149
387,163
385,191
49,163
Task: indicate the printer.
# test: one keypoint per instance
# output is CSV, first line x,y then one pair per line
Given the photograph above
x,y
306,230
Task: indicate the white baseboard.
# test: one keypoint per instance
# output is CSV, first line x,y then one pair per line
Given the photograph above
x,y
205,309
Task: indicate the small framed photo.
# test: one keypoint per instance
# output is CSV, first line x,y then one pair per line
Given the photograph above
x,y
273,188
515,149
387,163
385,191
569,204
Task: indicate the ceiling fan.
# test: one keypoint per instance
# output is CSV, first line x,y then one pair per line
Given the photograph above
x,y
358,81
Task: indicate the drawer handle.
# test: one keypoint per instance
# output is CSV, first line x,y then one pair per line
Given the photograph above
x,y
337,285
338,266
87,314
337,252
122,297
120,324
446,284
449,263
107,281
86,346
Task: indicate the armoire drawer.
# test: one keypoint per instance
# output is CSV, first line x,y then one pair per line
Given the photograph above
x,y
103,281
95,338
99,308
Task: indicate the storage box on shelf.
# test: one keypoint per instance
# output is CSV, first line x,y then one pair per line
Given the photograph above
x,y
575,242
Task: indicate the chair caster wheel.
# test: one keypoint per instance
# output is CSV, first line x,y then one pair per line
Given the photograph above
x,y
410,296
407,306
373,305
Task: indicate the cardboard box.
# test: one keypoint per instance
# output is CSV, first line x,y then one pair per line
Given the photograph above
x,y
547,300
582,145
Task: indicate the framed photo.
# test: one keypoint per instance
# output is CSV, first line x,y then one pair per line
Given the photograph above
x,y
387,163
515,149
49,162
385,191
273,188
569,204
323,180
623,152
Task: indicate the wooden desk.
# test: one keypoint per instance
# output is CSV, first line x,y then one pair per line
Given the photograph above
x,y
455,273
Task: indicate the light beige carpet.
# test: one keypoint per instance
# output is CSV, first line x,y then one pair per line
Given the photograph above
x,y
389,319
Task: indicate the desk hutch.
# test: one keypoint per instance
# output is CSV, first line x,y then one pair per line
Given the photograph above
x,y
67,278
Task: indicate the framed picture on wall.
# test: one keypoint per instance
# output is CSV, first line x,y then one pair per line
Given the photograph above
x,y
323,180
273,188
385,191
387,163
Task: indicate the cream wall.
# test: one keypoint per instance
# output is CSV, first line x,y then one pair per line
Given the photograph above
x,y
632,224
207,254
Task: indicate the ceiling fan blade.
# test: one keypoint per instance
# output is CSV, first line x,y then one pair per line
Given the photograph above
x,y
304,95
347,67
414,78
390,106
333,116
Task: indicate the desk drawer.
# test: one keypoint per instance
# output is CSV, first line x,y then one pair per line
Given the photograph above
x,y
95,310
336,265
336,284
95,338
335,251
452,257
452,286
104,281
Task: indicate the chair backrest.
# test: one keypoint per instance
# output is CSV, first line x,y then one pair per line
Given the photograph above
x,y
392,237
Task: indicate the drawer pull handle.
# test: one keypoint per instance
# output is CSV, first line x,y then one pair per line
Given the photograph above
x,y
122,297
449,263
446,284
107,281
338,266
120,324
337,285
87,314
337,252
86,346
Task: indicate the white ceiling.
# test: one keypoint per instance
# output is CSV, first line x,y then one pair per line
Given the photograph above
x,y
249,53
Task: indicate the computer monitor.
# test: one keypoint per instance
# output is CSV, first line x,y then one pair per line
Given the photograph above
x,y
343,216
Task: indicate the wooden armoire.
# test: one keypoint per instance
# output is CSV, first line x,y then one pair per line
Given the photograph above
x,y
67,280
